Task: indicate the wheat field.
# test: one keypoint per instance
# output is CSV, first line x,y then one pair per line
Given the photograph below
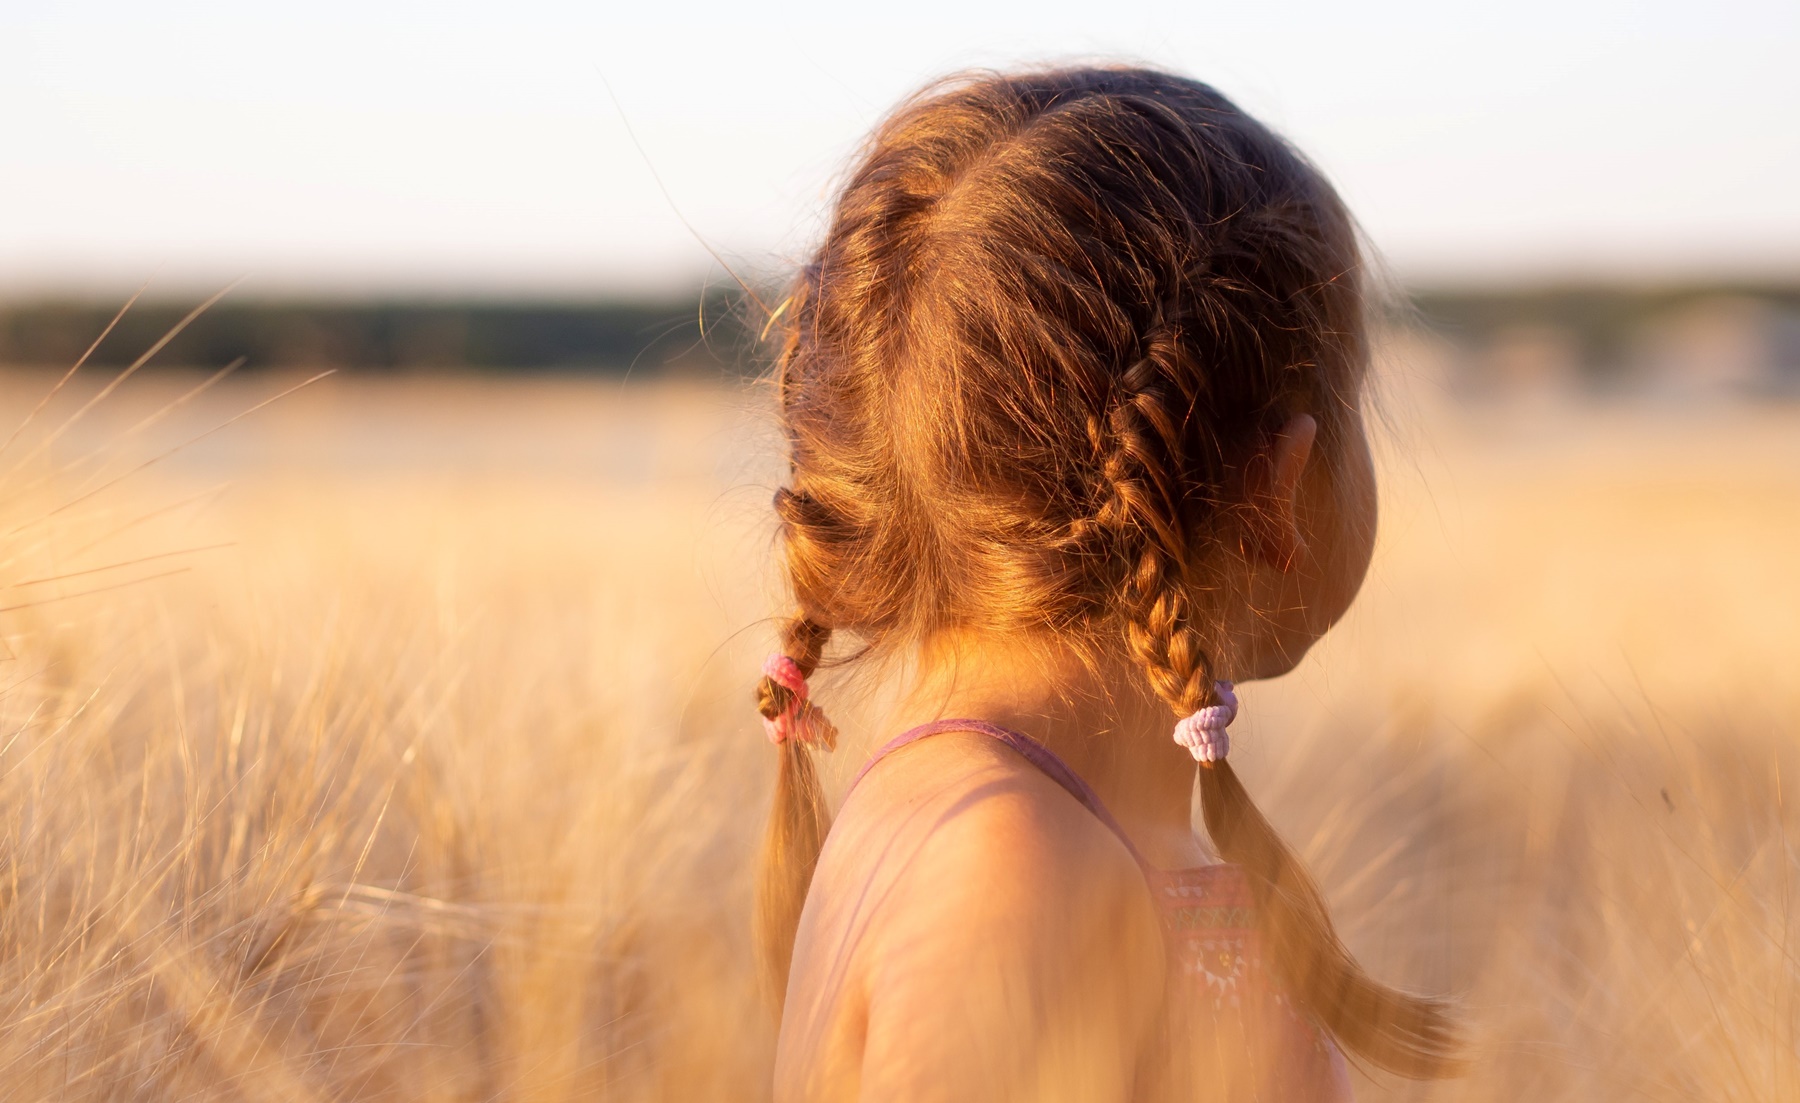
x,y
393,742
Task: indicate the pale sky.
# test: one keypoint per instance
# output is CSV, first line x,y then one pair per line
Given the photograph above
x,y
338,147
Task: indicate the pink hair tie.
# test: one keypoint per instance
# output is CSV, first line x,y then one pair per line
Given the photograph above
x,y
1203,733
801,719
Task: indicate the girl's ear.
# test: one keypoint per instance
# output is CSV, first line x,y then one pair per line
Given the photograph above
x,y
1272,491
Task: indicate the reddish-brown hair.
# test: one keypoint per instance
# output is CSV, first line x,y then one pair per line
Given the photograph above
x,y
1052,312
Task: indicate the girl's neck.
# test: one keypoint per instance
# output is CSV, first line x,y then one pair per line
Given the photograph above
x,y
1094,715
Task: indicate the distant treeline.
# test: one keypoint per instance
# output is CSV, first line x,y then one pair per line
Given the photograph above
x,y
694,335
1614,332
1601,332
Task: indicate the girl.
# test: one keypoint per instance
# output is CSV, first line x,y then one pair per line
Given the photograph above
x,y
1071,392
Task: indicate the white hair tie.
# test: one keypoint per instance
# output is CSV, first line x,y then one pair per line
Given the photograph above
x,y
1203,733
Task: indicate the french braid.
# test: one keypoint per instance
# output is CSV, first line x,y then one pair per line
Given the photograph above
x,y
1151,430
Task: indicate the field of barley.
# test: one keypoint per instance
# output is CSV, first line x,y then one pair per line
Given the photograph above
x,y
393,742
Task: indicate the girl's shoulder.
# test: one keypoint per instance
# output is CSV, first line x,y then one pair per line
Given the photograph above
x,y
961,885
961,808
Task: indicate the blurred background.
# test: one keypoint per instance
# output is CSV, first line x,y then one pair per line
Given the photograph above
x,y
384,734
1591,189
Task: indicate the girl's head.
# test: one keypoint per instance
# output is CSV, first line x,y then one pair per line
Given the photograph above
x,y
1079,358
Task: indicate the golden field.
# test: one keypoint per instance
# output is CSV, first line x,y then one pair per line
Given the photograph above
x,y
394,742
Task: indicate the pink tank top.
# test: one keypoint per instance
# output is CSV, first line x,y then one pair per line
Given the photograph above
x,y
1229,1031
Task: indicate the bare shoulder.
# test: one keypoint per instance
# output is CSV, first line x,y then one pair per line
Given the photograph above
x,y
985,834
997,935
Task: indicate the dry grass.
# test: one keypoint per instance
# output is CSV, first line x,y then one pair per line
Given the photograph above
x,y
437,781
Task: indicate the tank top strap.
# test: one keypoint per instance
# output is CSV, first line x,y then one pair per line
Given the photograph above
x,y
1040,756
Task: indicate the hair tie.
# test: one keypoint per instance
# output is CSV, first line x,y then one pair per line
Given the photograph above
x,y
1203,733
801,719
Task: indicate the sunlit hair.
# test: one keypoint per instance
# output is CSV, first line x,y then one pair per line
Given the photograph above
x,y
1053,312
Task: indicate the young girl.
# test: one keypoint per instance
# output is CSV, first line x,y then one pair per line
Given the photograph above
x,y
1071,391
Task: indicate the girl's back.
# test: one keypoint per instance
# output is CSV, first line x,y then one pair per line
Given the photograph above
x,y
958,868
967,867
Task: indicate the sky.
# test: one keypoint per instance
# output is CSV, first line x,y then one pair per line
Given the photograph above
x,y
550,148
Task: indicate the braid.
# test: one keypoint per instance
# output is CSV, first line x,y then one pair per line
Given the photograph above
x,y
813,535
1140,472
1143,470
798,819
